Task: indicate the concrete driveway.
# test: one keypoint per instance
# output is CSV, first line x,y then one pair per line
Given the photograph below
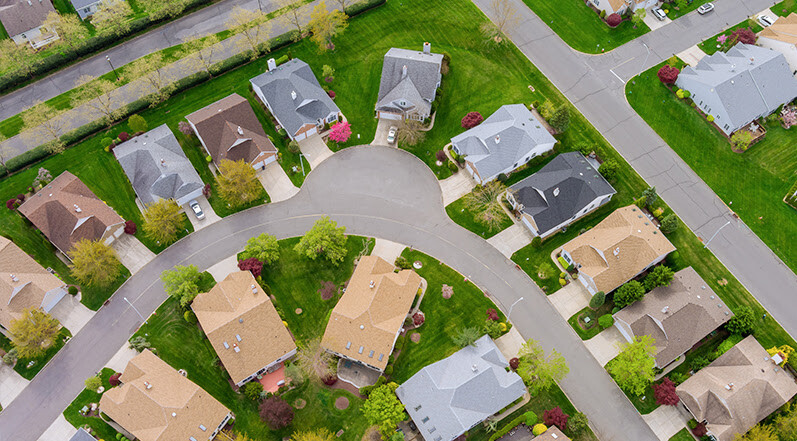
x,y
315,150
210,216
572,298
455,186
119,361
11,384
72,314
692,55
220,270
276,182
666,421
59,430
132,253
510,240
510,343
382,127
387,250
605,345
653,22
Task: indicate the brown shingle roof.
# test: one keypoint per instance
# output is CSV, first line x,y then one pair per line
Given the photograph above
x,y
29,285
371,317
156,403
552,434
231,309
66,211
230,130
618,248
784,29
19,16
677,316
739,389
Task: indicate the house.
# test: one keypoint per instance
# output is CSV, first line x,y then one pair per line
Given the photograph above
x,y
244,327
86,8
293,95
447,398
552,434
157,403
66,212
781,36
229,129
740,86
82,435
157,167
23,20
739,389
619,248
409,83
507,139
677,316
563,191
368,318
621,6
24,284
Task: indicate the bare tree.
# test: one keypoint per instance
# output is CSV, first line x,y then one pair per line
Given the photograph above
x,y
98,95
252,29
199,52
294,15
343,4
111,17
69,28
156,84
485,203
158,9
43,124
411,132
505,14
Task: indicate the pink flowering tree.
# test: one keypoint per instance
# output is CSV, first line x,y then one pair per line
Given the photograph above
x,y
341,132
789,117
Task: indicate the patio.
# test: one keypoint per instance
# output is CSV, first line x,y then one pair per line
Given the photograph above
x,y
357,374
272,381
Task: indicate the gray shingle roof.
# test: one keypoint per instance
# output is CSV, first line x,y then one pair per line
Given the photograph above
x,y
311,103
741,85
519,132
416,89
448,397
83,3
152,180
18,16
82,435
562,188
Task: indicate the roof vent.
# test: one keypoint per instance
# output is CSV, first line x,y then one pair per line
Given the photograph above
x,y
203,428
497,139
77,209
556,192
752,60
14,278
362,326
226,345
163,162
665,310
293,94
554,436
235,347
729,386
240,130
474,368
616,252
240,320
372,284
174,414
147,385
348,345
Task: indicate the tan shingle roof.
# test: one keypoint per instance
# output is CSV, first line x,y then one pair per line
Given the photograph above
x,y
552,434
618,248
784,29
677,316
371,317
32,282
19,16
737,390
66,211
173,408
231,309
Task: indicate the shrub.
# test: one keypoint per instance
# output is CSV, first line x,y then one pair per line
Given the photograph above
x,y
679,93
403,263
658,212
293,147
189,317
629,293
691,424
698,363
114,379
577,423
12,204
453,167
514,362
669,223
700,430
530,418
206,191
492,314
555,417
609,169
710,118
614,20
562,282
331,94
441,156
665,393
252,390
502,177
130,227
72,290
668,74
742,322
330,380
276,412
597,300
472,119
124,136
606,321
536,242
727,344
602,14
744,35
93,383
137,123
252,265
539,429
678,377
493,328
418,318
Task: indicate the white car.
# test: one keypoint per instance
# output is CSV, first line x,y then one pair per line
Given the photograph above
x,y
391,135
705,9
659,13
765,20
196,209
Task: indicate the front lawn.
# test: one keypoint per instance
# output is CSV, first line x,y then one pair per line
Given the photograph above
x,y
28,372
588,330
682,435
711,46
99,428
459,213
690,6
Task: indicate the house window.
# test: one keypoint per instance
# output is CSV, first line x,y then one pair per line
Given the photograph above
x,y
371,355
726,127
425,419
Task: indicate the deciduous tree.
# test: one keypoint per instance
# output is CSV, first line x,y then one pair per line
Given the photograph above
x,y
162,221
252,29
98,95
137,123
33,332
70,29
633,368
252,265
539,371
43,124
629,293
665,393
199,52
555,417
485,204
295,15
609,169
139,343
94,263
181,283
112,17
505,16
560,119
264,248
669,223
325,25
322,434
786,425
325,239
276,412
639,17
742,139
93,383
743,35
758,433
742,321
238,184
20,56
660,276
314,361
158,9
340,132
668,74
472,119
155,83
411,132
383,409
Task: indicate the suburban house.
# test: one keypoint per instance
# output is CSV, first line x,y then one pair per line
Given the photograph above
x,y
409,83
619,248
369,316
24,284
677,316
66,212
447,398
229,129
739,389
740,86
563,191
23,19
620,6
157,167
293,95
86,8
507,139
157,403
781,36
243,326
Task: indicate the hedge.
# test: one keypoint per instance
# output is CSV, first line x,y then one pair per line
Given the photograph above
x,y
511,425
360,7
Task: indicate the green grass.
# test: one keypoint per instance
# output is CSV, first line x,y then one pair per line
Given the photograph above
x,y
22,364
3,33
581,28
459,213
709,45
682,435
791,196
588,330
99,428
675,13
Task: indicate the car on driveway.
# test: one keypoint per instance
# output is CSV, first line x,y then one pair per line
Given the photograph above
x,y
391,135
196,209
705,9
659,13
765,20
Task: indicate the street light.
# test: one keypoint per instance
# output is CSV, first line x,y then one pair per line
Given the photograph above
x,y
259,6
108,59
641,69
512,306
715,234
301,156
134,309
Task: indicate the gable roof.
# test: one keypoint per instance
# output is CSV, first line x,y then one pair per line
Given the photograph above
x,y
20,16
562,188
503,139
618,248
784,29
411,77
238,307
157,167
448,397
23,282
311,103
66,212
739,389
676,316
156,403
230,130
366,321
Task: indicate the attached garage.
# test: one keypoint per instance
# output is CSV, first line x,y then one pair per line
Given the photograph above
x,y
303,135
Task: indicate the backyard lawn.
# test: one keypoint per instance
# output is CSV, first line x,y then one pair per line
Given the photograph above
x,y
28,372
459,213
99,428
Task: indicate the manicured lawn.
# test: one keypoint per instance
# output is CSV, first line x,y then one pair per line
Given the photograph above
x,y
99,428
3,33
682,435
645,403
709,45
675,13
459,213
581,28
588,330
39,362
791,196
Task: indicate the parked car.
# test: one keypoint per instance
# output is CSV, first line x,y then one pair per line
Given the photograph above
x,y
197,209
659,13
391,135
705,9
765,20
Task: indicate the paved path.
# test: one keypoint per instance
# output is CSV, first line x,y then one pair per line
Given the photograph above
x,y
358,188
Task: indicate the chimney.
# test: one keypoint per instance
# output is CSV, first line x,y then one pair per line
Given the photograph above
x,y
235,347
617,252
293,94
404,71
147,385
665,310
427,47
272,64
752,60
372,284
497,139
77,209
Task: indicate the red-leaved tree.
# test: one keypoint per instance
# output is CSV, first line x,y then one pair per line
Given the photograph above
x,y
12,204
206,191
114,379
418,318
341,132
665,393
700,430
472,119
130,227
441,156
252,265
21,197
744,35
492,314
614,20
276,412
514,363
668,74
331,94
124,136
555,417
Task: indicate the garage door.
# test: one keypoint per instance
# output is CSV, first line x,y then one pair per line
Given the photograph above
x,y
304,135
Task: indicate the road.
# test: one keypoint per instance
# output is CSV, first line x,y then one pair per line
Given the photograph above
x,y
373,191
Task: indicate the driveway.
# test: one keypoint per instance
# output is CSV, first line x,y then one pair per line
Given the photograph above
x,y
59,430
11,384
210,215
132,253
653,22
605,345
691,55
276,182
509,344
119,361
570,299
72,314
387,250
226,266
455,186
666,421
382,127
510,240
315,150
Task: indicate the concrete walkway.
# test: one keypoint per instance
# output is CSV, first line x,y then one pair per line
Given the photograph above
x,y
132,253
72,314
510,240
387,250
570,299
277,183
11,384
315,150
119,361
59,430
210,215
455,186
605,345
666,421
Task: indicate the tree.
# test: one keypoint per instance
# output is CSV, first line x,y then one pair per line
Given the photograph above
x,y
555,417
314,361
238,184
21,56
504,16
113,380
605,321
155,82
467,336
665,393
614,20
33,332
660,276
577,423
43,177
70,30
181,283
609,169
786,425
539,371
325,25
560,118
650,196
322,434
633,369
264,248
639,16
743,35
98,95
668,74
158,9
44,124
471,120
200,52
276,412
111,17
758,433
252,390
293,147
383,409
669,223
328,72
294,16
629,293
485,203
139,343
162,221
325,239
94,263
252,29
597,300
10,358
93,383
340,132
742,321
741,139
411,132
137,123
544,271
252,265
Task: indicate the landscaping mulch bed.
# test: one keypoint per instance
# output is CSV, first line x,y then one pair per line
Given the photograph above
x,y
415,337
299,403
327,290
341,403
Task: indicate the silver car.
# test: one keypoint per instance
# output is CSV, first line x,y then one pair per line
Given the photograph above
x,y
705,9
196,209
391,135
659,13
